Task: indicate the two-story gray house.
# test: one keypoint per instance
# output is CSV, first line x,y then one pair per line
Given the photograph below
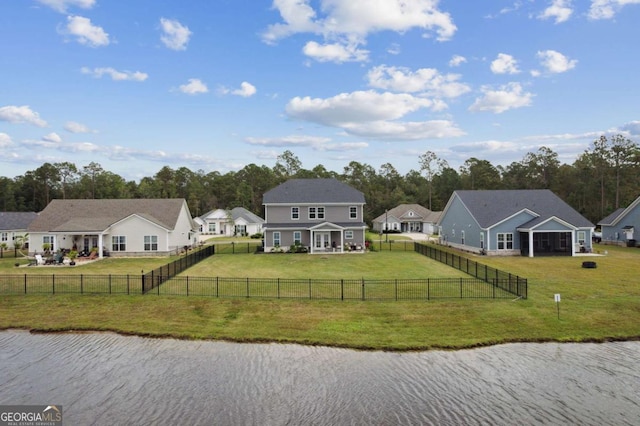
x,y
527,222
324,215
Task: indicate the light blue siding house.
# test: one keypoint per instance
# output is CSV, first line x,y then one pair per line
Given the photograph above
x,y
512,222
620,226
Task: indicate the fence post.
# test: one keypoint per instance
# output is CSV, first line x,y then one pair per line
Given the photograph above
x,y
278,288
217,293
396,289
342,289
494,290
53,284
460,287
428,288
247,285
142,280
127,284
109,283
363,282
25,283
187,285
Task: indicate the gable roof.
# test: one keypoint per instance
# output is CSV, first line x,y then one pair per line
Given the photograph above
x,y
489,207
619,214
10,221
401,211
313,191
97,215
242,213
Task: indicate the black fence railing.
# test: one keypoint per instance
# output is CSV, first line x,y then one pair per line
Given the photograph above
x,y
266,288
391,245
238,247
153,279
511,283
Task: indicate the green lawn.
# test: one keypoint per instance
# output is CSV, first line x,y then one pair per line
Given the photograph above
x,y
597,305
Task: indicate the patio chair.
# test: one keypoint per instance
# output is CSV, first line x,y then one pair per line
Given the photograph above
x,y
39,259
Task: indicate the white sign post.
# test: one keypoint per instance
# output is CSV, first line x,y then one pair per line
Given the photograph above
x,y
557,299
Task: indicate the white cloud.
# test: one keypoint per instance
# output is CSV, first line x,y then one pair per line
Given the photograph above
x,y
335,52
194,87
355,107
485,146
344,25
504,64
394,49
406,131
176,36
5,140
424,80
505,98
632,127
115,74
62,5
457,60
606,9
556,62
21,114
560,10
75,127
316,143
52,137
246,90
372,114
85,32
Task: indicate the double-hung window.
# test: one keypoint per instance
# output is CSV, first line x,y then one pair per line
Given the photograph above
x,y
212,227
48,239
348,235
295,213
276,239
505,241
297,237
4,237
150,243
353,212
316,212
118,243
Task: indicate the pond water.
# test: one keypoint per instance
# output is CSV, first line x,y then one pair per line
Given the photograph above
x,y
107,379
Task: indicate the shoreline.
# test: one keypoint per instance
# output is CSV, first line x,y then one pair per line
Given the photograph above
x,y
430,348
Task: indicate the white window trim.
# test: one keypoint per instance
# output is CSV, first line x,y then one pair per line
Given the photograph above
x,y
297,212
505,241
297,237
115,242
278,238
353,216
151,243
348,235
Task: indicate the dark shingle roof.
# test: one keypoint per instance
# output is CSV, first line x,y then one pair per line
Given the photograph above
x,y
492,206
301,191
612,217
16,220
98,215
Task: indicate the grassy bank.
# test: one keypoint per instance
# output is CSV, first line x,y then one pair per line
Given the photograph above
x,y
597,305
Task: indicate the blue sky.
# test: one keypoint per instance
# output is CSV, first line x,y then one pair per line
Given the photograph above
x,y
216,85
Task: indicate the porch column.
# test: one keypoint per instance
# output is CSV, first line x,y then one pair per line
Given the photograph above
x,y
100,246
312,242
342,241
573,243
530,243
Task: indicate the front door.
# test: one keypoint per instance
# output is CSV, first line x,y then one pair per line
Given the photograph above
x,y
322,240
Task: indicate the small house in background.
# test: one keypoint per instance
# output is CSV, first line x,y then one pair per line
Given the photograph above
x,y
121,227
507,222
13,227
407,218
323,215
238,221
622,226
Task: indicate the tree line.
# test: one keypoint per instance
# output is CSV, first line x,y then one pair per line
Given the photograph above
x,y
604,177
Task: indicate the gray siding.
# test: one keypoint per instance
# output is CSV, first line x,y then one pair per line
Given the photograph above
x,y
459,219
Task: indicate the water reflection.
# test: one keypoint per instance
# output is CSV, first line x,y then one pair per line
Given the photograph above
x,y
111,379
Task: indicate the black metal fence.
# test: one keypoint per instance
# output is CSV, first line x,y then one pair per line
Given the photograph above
x,y
70,284
391,245
238,247
153,279
266,288
511,283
